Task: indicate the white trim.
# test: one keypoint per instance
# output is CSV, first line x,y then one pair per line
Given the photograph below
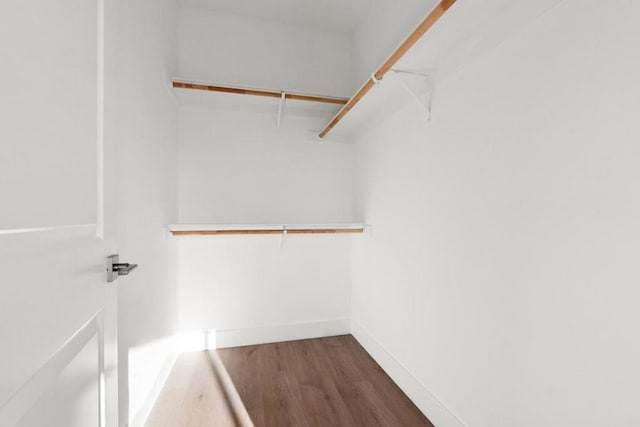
x,y
100,119
27,396
142,416
279,333
197,340
437,412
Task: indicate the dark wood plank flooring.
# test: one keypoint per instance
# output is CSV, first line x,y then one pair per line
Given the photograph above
x,y
318,382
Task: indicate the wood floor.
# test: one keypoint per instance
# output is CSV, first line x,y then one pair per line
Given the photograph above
x,y
318,382
192,396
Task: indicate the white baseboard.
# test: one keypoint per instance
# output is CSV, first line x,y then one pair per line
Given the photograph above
x,y
141,417
278,333
431,406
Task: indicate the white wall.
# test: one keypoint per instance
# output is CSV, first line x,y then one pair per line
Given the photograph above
x,y
147,198
229,49
384,26
502,270
250,289
236,167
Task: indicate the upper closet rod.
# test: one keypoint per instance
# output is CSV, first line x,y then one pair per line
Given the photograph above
x,y
260,92
424,26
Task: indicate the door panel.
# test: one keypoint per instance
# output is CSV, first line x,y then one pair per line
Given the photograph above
x,y
51,285
49,112
66,390
54,170
77,390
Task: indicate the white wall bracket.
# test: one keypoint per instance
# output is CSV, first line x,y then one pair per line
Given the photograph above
x,y
280,105
284,235
419,85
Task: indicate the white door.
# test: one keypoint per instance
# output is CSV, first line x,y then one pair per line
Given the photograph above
x,y
58,361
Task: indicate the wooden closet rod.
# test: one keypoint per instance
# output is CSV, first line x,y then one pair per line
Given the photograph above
x,y
416,35
267,231
260,92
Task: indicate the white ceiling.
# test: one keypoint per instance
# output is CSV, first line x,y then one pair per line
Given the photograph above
x,y
334,15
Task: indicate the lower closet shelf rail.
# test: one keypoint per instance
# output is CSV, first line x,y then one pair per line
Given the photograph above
x,y
232,231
